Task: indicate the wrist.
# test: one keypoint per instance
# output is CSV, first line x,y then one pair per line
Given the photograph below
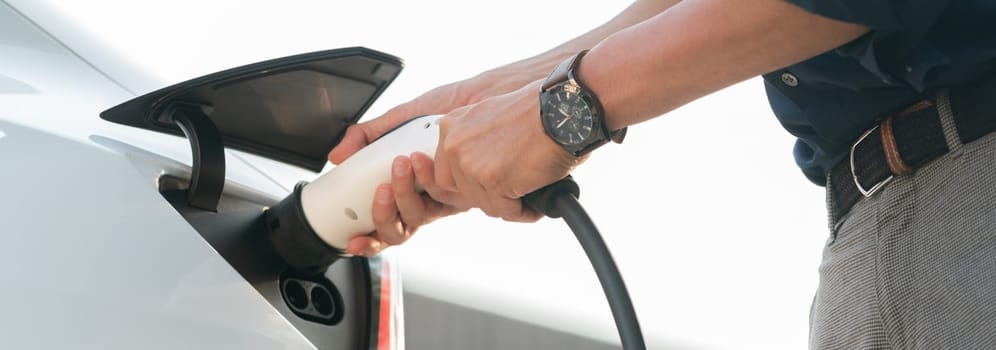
x,y
541,65
570,112
592,73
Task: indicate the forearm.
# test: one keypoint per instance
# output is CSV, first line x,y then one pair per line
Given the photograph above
x,y
541,65
698,47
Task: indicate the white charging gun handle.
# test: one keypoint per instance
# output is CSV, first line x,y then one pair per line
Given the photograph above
x,y
338,203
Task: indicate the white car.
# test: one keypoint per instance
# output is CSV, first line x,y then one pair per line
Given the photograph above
x,y
111,243
97,257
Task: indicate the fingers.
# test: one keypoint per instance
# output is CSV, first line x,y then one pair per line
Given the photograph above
x,y
365,246
411,205
508,209
392,118
468,179
512,209
488,196
360,135
388,228
529,215
440,100
398,209
354,139
443,177
425,175
388,225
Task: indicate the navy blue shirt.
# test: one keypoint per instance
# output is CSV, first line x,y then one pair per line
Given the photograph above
x,y
914,47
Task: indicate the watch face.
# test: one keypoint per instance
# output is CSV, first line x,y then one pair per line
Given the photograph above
x,y
567,117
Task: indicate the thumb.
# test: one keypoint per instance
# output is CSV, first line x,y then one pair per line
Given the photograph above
x,y
354,139
360,135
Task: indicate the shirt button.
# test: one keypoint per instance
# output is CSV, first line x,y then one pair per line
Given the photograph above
x,y
790,79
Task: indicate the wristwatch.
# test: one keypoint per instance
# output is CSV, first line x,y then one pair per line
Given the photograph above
x,y
571,114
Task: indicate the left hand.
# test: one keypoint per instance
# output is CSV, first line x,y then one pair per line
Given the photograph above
x,y
495,152
398,210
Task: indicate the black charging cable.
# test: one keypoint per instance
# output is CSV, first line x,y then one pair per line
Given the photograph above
x,y
560,200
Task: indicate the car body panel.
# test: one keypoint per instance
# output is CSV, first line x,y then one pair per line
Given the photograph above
x,y
95,255
104,262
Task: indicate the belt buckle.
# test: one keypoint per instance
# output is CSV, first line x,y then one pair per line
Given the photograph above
x,y
865,192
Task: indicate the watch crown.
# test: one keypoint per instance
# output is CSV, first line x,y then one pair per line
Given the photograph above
x,y
571,86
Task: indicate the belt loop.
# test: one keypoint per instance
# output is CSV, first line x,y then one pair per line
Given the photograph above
x,y
896,164
947,122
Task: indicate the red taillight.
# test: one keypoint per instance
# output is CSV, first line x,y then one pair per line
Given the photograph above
x,y
388,304
385,329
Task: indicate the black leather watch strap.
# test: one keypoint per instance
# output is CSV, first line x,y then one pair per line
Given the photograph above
x,y
562,73
559,74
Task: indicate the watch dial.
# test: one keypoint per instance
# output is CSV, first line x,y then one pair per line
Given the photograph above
x,y
568,118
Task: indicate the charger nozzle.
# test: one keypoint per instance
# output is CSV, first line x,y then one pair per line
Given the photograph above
x,y
294,238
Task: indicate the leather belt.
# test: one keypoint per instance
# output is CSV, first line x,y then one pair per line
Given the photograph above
x,y
909,139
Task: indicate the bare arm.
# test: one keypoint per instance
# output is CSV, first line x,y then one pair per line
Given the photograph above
x,y
688,51
640,68
410,207
493,82
537,67
698,47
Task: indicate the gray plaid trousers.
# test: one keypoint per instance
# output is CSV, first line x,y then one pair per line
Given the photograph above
x,y
914,266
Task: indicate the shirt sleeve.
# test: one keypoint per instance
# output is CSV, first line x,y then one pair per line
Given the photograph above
x,y
894,44
879,15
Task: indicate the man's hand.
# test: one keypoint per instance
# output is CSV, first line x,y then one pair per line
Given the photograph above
x,y
440,100
495,152
447,98
490,154
398,210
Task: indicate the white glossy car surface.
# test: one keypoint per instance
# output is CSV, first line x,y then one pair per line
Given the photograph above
x,y
93,256
713,259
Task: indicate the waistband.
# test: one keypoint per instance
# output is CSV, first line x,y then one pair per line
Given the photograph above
x,y
909,139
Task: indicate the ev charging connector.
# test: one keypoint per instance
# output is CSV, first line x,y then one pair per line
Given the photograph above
x,y
313,225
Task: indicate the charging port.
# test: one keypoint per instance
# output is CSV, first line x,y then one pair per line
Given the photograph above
x,y
312,297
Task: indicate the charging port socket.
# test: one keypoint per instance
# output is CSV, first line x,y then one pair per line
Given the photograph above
x,y
312,297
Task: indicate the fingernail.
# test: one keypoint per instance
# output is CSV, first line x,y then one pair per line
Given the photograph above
x,y
416,161
372,250
399,168
383,196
